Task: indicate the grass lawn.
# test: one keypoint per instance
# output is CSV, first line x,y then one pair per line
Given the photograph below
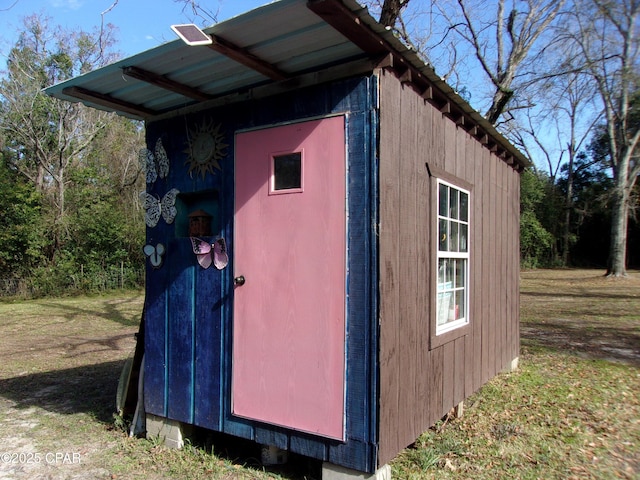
x,y
572,409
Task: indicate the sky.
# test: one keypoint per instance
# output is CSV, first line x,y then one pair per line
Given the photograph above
x,y
142,24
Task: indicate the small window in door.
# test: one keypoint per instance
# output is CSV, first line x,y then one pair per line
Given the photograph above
x,y
286,173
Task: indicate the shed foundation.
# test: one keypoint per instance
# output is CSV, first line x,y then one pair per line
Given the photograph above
x,y
169,431
336,472
513,365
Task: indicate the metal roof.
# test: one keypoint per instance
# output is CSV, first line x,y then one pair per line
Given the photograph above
x,y
279,46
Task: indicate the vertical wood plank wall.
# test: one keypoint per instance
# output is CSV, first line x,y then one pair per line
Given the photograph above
x,y
418,385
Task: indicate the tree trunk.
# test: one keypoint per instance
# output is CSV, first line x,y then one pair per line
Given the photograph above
x,y
618,245
568,206
59,179
391,12
39,180
498,105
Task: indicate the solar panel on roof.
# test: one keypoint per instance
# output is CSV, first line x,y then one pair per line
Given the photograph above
x,y
191,34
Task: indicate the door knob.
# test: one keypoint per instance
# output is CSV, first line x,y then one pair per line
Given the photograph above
x,y
239,280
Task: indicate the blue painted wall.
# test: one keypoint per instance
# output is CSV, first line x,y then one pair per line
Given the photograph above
x,y
188,309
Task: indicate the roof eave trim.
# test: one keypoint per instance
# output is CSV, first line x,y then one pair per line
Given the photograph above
x,y
246,58
162,81
108,101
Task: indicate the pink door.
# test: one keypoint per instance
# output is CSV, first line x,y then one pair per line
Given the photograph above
x,y
289,267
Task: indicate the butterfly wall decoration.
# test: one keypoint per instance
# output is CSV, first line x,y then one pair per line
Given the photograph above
x,y
210,253
156,207
155,253
155,163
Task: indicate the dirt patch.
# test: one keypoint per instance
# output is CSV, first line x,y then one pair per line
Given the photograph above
x,y
59,365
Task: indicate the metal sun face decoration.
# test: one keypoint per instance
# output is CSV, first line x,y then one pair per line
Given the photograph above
x,y
206,149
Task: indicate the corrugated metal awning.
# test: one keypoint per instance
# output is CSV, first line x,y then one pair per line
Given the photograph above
x,y
282,45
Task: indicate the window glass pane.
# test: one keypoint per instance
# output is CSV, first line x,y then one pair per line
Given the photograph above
x,y
443,235
444,300
460,273
464,207
459,307
463,230
453,203
453,236
287,171
441,274
450,269
443,200
445,294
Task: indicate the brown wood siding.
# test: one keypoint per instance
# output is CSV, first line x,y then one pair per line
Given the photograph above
x,y
418,384
477,277
389,264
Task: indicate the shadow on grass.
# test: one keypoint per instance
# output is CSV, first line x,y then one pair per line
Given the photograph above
x,y
113,309
91,389
87,389
581,293
589,341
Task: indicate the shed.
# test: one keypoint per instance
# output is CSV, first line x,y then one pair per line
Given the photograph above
x,y
359,275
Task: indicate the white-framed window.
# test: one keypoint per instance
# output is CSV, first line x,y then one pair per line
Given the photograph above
x,y
452,306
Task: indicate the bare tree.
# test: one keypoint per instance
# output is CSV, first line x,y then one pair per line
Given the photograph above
x,y
560,131
606,42
193,9
505,42
574,92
